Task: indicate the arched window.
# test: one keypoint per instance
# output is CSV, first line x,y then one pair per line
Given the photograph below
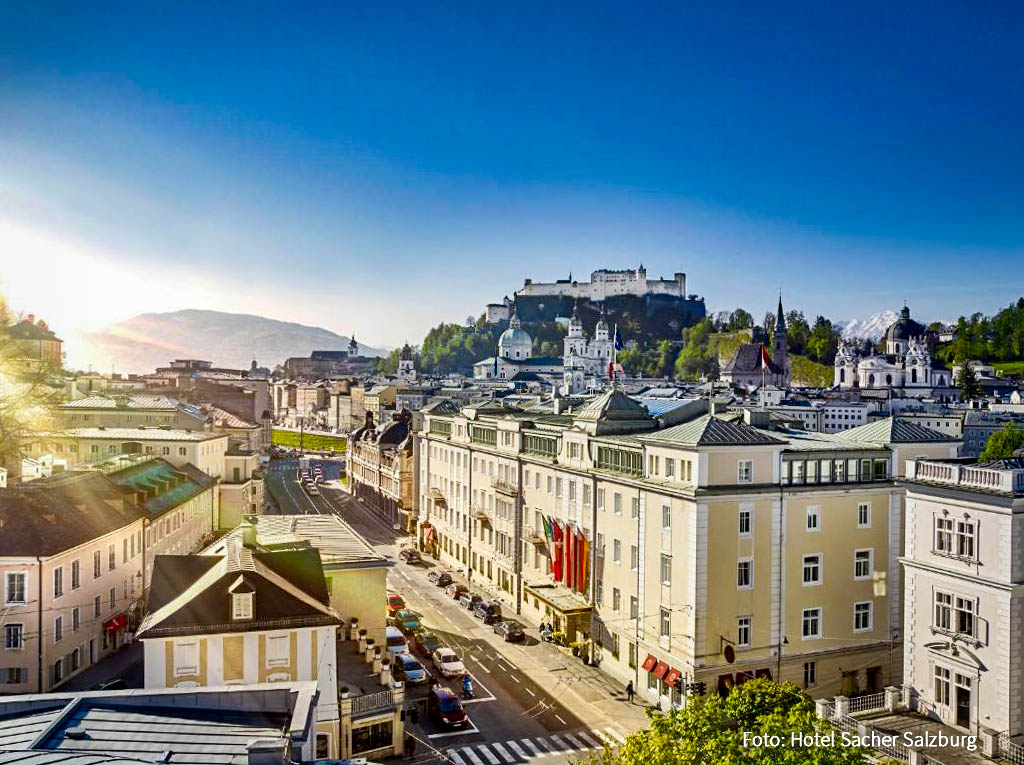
x,y
842,375
897,347
871,381
913,375
888,379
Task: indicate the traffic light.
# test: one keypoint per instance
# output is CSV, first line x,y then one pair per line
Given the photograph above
x,y
697,689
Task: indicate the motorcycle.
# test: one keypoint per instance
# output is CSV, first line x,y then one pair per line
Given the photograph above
x,y
467,687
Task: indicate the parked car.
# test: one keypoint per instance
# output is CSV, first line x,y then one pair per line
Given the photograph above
x,y
455,590
469,600
487,612
510,631
315,492
396,603
426,642
445,708
438,577
408,668
406,621
448,663
410,555
396,642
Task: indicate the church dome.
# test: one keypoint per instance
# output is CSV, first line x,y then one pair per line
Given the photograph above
x,y
904,328
515,342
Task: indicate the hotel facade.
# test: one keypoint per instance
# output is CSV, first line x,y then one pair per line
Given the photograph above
x,y
686,558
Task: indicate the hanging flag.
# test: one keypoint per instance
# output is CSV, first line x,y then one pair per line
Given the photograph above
x,y
585,562
617,342
611,369
556,562
570,556
766,363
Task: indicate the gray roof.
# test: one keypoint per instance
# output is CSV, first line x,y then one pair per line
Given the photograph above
x,y
154,433
747,360
613,412
895,430
133,401
713,431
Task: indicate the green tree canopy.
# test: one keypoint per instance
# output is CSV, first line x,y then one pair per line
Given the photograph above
x,y
711,730
1002,444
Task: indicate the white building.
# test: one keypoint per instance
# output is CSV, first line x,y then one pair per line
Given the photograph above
x,y
591,355
838,416
907,363
605,283
515,355
963,593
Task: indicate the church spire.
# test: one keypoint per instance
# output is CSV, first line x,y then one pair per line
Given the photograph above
x,y
780,317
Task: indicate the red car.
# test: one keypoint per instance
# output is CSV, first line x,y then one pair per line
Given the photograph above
x,y
456,590
395,603
445,708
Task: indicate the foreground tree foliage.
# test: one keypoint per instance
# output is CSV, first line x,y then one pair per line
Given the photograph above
x,y
1003,443
711,730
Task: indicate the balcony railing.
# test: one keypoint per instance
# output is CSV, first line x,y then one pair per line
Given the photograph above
x,y
481,513
371,702
535,537
995,480
437,495
505,487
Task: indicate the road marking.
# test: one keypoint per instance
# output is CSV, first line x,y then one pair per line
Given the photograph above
x,y
562,748
487,753
594,744
471,755
517,749
574,741
502,658
615,735
481,664
534,750
515,678
530,692
559,718
543,746
503,752
456,759
465,732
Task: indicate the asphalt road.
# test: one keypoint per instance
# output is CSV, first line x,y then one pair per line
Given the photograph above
x,y
524,692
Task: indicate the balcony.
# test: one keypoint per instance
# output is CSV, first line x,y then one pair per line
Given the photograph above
x,y
505,487
971,477
481,514
535,537
438,496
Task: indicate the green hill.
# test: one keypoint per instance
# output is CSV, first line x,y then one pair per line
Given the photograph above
x,y
811,373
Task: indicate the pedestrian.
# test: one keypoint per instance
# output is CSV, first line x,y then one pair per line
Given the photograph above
x,y
629,691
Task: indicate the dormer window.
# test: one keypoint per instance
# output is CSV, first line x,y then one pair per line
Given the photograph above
x,y
241,605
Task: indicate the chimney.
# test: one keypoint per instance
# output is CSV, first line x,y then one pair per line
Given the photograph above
x,y
248,527
267,751
31,318
756,418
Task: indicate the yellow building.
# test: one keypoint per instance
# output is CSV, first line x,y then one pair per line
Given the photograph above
x,y
37,344
707,552
380,467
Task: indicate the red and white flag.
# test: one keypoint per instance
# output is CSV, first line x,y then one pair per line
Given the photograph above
x,y
766,363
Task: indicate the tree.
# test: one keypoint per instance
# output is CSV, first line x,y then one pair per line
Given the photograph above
x,y
712,730
740,319
967,382
823,341
797,332
769,323
1003,443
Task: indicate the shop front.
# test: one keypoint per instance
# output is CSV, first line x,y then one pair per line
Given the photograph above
x,y
568,612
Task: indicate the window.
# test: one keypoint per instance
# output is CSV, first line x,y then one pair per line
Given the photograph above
x,y
862,563
666,569
810,674
600,499
113,598
745,573
15,675
14,591
666,623
944,535
182,451
965,616
616,551
616,599
278,650
965,539
635,508
862,613
76,618
812,569
745,471
811,623
617,503
943,611
58,629
813,518
76,574
864,515
666,516
97,607
670,468
111,557
186,658
743,631
942,684
241,605
746,521
634,557
14,637
96,564
634,607
58,581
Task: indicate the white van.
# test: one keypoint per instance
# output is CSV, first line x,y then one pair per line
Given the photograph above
x,y
396,641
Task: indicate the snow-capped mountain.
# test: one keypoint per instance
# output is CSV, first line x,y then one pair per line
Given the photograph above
x,y
871,328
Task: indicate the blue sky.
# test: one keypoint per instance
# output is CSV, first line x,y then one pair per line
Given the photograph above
x,y
379,167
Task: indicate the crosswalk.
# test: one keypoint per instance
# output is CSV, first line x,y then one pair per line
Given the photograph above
x,y
528,749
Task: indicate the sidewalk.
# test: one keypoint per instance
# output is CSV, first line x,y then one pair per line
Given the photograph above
x,y
125,664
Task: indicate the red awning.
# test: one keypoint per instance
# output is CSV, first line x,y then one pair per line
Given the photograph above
x,y
649,662
660,670
672,678
116,623
765,673
428,533
742,677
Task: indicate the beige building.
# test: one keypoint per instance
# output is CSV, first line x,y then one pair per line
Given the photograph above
x,y
706,552
380,467
129,410
76,551
242,487
36,343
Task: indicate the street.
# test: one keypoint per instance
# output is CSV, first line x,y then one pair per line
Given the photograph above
x,y
532,701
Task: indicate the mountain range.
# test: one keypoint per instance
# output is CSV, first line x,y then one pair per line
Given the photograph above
x,y
231,340
871,328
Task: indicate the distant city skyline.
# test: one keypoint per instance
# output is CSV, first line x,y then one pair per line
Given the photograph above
x,y
379,170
